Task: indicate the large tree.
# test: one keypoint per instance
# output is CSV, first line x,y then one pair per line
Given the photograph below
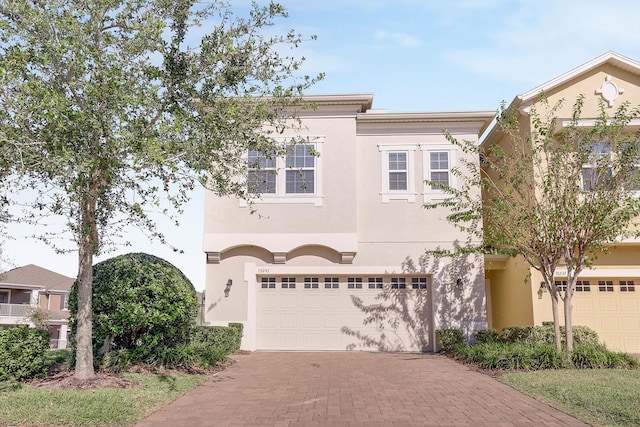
x,y
113,108
557,195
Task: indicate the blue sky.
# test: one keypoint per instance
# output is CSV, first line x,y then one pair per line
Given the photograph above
x,y
413,56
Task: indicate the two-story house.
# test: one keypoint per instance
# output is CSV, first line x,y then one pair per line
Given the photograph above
x,y
608,296
333,259
30,288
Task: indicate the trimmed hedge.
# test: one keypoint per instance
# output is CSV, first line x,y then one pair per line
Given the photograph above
x,y
23,353
226,338
535,335
448,338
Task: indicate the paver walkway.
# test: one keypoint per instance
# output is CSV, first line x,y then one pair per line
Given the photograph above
x,y
353,389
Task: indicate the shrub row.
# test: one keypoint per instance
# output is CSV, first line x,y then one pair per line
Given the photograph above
x,y
526,356
208,346
531,348
23,353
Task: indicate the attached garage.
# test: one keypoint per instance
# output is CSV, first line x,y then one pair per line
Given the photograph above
x,y
317,312
610,306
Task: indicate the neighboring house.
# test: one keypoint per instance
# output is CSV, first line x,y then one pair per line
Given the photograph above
x,y
26,289
334,257
608,296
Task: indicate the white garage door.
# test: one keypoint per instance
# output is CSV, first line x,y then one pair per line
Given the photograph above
x,y
344,313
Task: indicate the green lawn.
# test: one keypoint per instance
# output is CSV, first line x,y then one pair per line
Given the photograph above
x,y
104,407
606,397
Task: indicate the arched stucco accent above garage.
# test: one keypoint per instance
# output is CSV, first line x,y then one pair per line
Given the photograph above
x,y
281,245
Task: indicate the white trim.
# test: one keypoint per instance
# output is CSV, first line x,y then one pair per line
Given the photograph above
x,y
281,196
250,327
410,193
430,194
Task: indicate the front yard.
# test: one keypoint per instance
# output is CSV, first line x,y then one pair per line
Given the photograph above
x,y
24,404
603,397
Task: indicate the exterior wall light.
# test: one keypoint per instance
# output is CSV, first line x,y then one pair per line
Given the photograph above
x,y
543,288
228,288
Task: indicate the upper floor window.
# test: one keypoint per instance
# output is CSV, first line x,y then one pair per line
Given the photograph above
x,y
438,169
398,172
261,172
295,177
596,173
437,162
301,168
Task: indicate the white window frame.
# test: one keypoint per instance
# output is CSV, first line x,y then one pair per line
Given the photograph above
x,y
410,193
280,196
429,193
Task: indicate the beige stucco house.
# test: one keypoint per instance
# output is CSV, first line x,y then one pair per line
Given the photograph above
x,y
333,259
607,298
28,288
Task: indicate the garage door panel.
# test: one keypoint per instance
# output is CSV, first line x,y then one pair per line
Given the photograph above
x,y
628,305
327,319
312,301
288,301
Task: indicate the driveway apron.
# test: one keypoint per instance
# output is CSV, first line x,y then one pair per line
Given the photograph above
x,y
353,389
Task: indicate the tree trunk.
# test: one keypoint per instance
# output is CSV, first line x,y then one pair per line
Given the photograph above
x,y
556,318
86,248
568,322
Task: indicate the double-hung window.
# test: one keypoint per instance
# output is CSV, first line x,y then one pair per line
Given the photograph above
x,y
398,172
300,169
596,173
294,177
437,163
261,172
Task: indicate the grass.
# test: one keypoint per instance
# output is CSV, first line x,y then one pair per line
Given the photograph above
x,y
606,397
27,405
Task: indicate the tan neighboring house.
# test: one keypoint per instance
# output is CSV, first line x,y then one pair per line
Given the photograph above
x,y
28,288
334,257
607,298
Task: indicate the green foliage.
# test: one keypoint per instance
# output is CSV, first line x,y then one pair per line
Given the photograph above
x,y
536,200
31,406
109,116
240,328
486,336
140,303
525,355
448,338
226,338
543,334
509,356
23,353
590,356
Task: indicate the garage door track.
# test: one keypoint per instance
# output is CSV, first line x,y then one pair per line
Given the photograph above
x,y
353,389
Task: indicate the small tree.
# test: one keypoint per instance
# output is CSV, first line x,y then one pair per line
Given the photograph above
x,y
140,303
555,196
114,109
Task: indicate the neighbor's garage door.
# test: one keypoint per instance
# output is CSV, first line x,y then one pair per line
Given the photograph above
x,y
611,307
343,313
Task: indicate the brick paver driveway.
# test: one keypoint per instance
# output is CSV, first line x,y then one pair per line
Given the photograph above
x,y
353,389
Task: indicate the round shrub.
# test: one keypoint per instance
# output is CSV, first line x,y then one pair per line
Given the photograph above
x,y
141,303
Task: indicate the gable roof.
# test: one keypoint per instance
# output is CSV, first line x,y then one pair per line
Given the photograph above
x,y
528,98
33,275
612,58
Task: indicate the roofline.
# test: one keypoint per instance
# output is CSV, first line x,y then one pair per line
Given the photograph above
x,y
617,59
364,100
455,117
